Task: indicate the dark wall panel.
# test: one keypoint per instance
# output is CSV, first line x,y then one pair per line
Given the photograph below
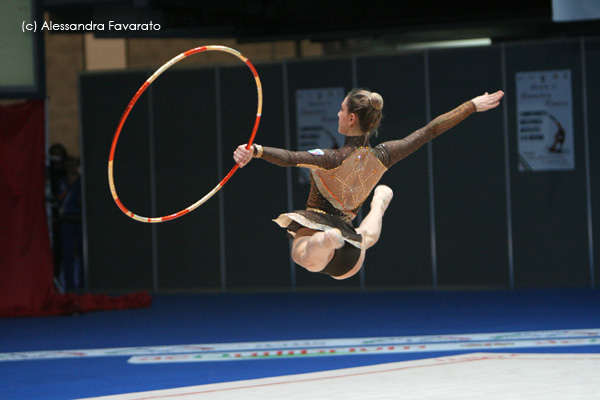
x,y
119,253
468,171
402,257
312,75
186,169
170,149
549,207
592,56
257,250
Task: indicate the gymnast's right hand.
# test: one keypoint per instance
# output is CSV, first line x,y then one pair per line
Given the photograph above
x,y
243,156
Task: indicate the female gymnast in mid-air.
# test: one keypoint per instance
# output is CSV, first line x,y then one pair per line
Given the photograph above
x,y
341,180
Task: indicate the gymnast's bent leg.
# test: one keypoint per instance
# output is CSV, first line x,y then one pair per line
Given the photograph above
x,y
370,228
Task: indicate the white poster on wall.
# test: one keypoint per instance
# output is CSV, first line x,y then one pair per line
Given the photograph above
x,y
575,10
317,120
545,120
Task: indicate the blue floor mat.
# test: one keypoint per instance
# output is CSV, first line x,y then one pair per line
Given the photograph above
x,y
251,317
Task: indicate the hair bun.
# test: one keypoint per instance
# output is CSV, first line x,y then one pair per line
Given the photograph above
x,y
376,101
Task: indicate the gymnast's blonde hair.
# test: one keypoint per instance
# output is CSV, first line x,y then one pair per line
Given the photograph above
x,y
367,106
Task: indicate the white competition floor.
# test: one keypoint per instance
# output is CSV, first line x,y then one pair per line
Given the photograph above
x,y
470,376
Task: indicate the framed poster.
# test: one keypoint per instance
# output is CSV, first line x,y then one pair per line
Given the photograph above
x,y
317,120
545,120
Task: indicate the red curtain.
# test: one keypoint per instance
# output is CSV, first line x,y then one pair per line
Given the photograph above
x,y
26,266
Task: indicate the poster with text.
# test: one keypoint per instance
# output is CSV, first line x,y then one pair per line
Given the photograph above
x,y
545,121
317,120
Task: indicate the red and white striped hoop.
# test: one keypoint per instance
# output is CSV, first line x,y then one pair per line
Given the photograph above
x,y
141,90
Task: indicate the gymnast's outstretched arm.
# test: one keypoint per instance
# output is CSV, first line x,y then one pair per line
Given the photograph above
x,y
390,152
395,150
321,159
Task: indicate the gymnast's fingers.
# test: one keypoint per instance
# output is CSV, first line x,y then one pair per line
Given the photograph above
x,y
242,156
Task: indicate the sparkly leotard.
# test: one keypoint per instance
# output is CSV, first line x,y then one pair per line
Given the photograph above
x,y
342,179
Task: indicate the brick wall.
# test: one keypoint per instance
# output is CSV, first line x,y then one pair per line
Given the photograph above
x,y
64,60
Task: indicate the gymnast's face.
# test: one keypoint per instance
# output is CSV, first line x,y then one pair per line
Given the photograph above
x,y
345,119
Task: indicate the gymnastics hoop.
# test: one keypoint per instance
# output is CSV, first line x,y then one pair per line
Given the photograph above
x,y
141,90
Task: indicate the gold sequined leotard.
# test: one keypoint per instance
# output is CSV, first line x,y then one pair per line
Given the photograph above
x,y
342,179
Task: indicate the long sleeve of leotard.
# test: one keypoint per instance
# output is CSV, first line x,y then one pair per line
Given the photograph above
x,y
388,153
321,159
393,151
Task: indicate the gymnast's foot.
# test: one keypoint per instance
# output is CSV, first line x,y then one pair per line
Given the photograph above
x,y
382,197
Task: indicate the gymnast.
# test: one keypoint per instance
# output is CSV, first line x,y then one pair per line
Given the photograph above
x,y
342,179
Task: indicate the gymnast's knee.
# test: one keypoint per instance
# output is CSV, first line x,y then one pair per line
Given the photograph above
x,y
304,259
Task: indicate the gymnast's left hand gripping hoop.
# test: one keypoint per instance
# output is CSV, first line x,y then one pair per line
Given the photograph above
x,y
134,100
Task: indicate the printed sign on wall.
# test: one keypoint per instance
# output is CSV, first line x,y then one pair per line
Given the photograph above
x,y
545,120
317,120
